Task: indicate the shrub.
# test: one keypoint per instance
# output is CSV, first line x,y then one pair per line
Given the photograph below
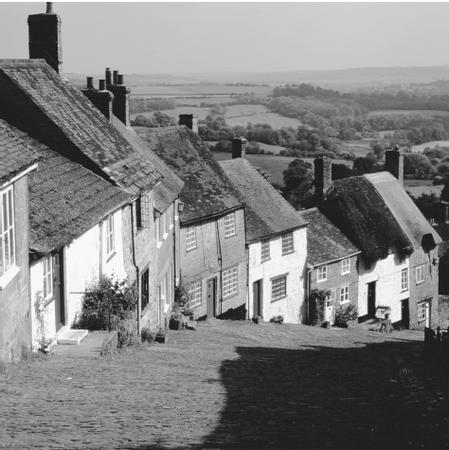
x,y
317,303
343,314
110,304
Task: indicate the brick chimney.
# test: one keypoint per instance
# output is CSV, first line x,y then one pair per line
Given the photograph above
x,y
44,31
239,147
101,98
120,105
323,177
394,163
189,121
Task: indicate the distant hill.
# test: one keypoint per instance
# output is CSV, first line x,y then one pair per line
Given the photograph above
x,y
344,79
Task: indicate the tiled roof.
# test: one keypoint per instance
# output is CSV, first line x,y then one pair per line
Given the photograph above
x,y
376,214
66,199
207,191
325,242
37,100
15,154
267,212
170,186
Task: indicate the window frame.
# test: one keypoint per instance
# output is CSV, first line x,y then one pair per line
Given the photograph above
x,y
320,270
232,282
419,269
287,246
197,288
345,270
404,280
230,225
110,235
189,241
145,274
143,210
421,307
7,231
47,277
344,294
283,292
265,250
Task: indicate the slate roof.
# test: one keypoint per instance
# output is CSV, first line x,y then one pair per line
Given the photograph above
x,y
376,214
37,100
66,199
15,154
325,242
170,186
267,213
207,191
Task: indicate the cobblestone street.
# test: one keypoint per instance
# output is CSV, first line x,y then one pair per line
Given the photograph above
x,y
234,385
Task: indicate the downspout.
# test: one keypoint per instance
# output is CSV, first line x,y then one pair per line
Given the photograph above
x,y
247,281
309,282
174,244
220,263
133,253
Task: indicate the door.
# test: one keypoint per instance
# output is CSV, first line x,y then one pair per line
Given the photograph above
x,y
405,313
427,311
329,310
372,299
257,298
144,289
58,289
211,297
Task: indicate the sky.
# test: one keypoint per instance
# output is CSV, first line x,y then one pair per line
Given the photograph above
x,y
178,38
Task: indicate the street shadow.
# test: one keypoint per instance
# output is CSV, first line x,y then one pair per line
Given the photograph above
x,y
381,396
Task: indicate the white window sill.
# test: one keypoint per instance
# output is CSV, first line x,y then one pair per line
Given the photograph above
x,y
110,256
345,302
345,273
8,276
321,281
419,282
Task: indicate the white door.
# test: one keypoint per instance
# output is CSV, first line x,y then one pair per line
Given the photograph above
x,y
427,314
329,310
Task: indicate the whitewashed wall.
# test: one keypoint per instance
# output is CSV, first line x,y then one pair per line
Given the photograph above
x,y
292,307
84,260
387,274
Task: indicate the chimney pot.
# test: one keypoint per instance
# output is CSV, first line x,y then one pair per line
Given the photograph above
x,y
189,121
101,85
323,177
114,76
108,76
50,9
394,163
239,147
90,83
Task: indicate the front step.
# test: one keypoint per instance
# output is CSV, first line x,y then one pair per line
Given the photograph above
x,y
71,337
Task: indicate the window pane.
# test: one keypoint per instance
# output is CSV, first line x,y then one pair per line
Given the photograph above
x,y
230,282
265,250
194,291
278,288
229,222
287,243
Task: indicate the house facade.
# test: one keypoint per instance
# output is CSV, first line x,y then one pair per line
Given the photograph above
x,y
17,162
398,266
276,238
212,228
332,262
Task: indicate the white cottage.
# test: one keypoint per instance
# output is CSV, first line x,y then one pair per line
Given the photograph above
x,y
276,239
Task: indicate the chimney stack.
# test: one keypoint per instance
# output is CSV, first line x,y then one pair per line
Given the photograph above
x,y
394,163
323,177
101,98
120,106
239,147
189,121
44,37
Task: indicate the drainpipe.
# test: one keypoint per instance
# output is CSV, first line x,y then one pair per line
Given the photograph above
x,y
133,245
220,263
309,283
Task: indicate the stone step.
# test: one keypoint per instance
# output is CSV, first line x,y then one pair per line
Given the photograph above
x,y
71,337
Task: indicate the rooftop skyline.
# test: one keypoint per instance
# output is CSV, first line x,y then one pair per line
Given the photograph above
x,y
181,38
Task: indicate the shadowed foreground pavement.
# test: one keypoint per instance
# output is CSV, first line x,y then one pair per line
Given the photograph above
x,y
233,385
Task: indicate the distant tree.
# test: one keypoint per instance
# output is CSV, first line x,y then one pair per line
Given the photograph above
x,y
365,165
426,204
445,192
378,150
417,165
298,183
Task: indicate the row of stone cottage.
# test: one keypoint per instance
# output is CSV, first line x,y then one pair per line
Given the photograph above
x,y
84,195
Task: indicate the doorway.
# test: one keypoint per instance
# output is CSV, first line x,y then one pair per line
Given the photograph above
x,y
257,298
329,310
405,313
58,289
371,297
211,297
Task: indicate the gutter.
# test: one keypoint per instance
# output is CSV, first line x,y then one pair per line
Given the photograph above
x,y
211,217
334,260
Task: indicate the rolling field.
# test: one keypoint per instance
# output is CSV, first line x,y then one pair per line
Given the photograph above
x,y
360,148
422,112
419,187
421,147
234,115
